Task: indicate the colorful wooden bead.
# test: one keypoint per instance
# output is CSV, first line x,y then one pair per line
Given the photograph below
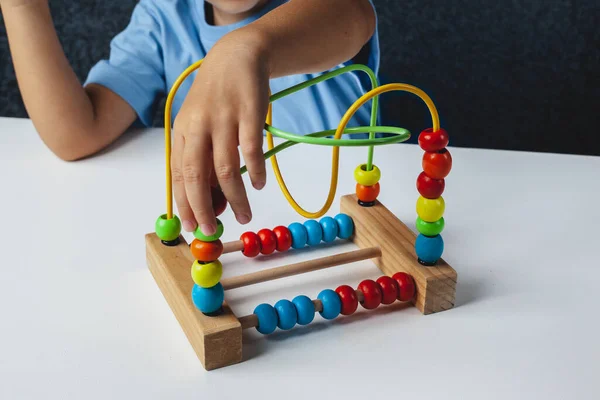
x,y
286,314
207,275
437,165
219,202
348,299
367,178
284,238
268,241
206,251
345,226
406,286
168,230
332,305
267,318
299,235
208,300
367,194
429,249
430,188
430,228
372,293
433,141
329,228
251,244
211,238
314,232
430,210
389,289
305,309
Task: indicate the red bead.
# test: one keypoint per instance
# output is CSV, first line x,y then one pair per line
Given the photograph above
x,y
372,292
349,299
206,251
406,286
437,165
268,241
284,238
389,289
367,193
251,244
219,202
430,188
433,141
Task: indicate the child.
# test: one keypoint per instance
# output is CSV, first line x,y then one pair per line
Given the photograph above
x,y
254,45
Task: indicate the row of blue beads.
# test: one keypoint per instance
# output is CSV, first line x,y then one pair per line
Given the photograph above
x,y
301,310
327,229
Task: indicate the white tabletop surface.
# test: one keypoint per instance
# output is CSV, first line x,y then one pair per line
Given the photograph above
x,y
82,318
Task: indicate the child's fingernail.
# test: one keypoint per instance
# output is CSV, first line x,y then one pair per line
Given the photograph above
x,y
243,218
208,229
259,185
189,226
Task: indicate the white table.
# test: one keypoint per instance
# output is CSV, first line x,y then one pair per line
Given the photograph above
x,y
82,318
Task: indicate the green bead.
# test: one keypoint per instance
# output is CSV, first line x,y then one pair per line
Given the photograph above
x,y
430,228
201,236
167,229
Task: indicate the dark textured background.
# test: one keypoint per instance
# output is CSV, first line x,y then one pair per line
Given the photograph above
x,y
520,74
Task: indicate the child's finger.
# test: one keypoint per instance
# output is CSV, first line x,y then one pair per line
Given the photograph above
x,y
183,206
227,169
251,140
196,173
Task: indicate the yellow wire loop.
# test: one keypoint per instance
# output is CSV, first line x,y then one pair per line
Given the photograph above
x,y
168,110
338,134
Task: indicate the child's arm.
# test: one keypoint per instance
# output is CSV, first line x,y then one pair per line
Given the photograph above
x,y
227,104
73,122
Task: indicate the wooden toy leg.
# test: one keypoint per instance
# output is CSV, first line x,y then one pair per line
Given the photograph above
x,y
377,226
217,340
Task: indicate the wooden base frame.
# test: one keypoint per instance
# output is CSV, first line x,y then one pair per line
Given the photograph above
x,y
217,340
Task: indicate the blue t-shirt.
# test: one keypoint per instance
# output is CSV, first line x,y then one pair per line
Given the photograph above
x,y
165,37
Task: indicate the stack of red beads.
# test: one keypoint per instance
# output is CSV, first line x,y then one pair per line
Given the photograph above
x,y
208,293
437,163
367,184
266,241
385,290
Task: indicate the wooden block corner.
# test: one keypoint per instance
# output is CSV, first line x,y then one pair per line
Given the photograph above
x,y
217,341
377,226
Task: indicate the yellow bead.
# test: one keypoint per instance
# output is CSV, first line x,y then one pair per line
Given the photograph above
x,y
367,178
207,275
430,210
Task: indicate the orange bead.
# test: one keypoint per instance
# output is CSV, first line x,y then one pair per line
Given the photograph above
x,y
206,251
437,165
367,194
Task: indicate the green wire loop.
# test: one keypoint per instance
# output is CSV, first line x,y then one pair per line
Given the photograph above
x,y
319,138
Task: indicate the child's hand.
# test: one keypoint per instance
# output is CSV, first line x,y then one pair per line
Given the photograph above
x,y
225,108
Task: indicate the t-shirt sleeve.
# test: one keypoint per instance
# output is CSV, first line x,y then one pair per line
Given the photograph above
x,y
135,68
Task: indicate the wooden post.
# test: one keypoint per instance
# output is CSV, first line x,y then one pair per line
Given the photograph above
x,y
377,226
216,340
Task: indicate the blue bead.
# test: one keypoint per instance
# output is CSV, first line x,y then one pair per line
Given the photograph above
x,y
267,318
429,248
305,309
330,229
332,304
299,235
345,226
208,300
314,232
286,314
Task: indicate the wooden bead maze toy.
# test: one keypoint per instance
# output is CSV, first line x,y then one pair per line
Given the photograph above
x,y
412,265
